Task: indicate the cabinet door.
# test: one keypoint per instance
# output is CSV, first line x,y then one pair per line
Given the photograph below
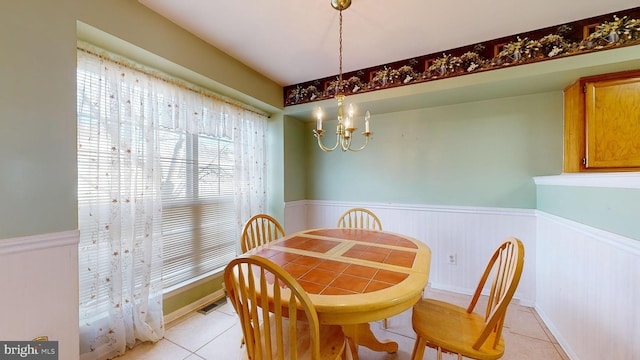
x,y
613,123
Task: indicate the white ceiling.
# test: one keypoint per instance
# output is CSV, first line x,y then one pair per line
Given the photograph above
x,y
295,41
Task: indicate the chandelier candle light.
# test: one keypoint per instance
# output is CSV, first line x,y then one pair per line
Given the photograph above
x,y
345,128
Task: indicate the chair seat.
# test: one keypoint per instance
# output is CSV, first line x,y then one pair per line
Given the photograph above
x,y
453,329
332,341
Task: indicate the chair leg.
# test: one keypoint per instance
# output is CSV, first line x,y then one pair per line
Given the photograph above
x,y
352,348
385,323
347,354
418,348
439,353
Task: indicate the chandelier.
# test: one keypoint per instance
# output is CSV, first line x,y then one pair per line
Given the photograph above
x,y
346,125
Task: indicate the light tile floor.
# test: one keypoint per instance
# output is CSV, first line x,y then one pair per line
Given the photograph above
x,y
217,336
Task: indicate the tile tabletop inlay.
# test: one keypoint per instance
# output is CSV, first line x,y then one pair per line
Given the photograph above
x,y
365,236
321,276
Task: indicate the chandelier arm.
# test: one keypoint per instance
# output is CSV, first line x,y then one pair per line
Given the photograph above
x,y
366,141
321,145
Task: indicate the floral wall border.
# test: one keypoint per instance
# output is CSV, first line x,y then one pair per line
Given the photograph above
x,y
598,33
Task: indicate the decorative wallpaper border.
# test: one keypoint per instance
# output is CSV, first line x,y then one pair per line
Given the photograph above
x,y
580,37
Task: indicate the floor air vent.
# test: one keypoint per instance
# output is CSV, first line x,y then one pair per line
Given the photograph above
x,y
209,308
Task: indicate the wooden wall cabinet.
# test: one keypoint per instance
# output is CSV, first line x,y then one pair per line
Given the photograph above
x,y
602,123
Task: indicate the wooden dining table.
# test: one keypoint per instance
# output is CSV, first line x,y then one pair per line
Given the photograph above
x,y
354,276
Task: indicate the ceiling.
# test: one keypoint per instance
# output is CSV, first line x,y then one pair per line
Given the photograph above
x,y
292,42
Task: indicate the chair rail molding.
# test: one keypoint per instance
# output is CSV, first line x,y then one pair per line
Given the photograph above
x,y
622,180
39,242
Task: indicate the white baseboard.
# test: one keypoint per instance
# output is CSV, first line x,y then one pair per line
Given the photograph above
x,y
556,333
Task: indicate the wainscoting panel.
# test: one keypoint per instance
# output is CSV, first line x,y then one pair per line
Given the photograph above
x,y
39,282
587,289
295,216
470,234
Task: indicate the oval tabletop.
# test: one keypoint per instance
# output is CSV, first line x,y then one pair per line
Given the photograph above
x,y
354,276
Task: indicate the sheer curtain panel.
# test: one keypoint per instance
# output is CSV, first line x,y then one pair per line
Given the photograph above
x,y
167,175
119,209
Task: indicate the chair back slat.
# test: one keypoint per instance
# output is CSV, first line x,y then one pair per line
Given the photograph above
x,y
264,307
293,318
259,230
359,218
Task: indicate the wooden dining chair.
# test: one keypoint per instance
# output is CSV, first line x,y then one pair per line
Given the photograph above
x,y
263,294
359,218
454,329
259,230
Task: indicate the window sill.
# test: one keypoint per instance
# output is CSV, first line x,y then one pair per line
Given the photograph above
x,y
192,283
608,180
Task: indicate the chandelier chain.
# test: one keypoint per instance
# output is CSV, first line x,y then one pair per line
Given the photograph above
x,y
340,43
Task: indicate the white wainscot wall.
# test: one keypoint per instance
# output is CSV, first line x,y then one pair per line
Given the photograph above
x,y
588,289
39,287
584,282
470,233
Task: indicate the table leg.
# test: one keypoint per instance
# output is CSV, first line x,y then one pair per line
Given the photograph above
x,y
361,334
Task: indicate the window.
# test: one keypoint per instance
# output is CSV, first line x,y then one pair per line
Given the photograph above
x,y
198,210
167,175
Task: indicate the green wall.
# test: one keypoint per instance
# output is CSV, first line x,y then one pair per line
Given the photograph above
x,y
38,99
38,102
612,209
276,166
38,117
296,166
471,154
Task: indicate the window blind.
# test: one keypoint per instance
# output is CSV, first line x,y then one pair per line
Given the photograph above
x,y
198,163
198,207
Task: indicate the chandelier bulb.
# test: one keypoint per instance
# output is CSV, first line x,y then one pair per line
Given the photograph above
x,y
319,119
367,116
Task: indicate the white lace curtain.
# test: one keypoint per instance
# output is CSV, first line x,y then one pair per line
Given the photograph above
x,y
120,110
